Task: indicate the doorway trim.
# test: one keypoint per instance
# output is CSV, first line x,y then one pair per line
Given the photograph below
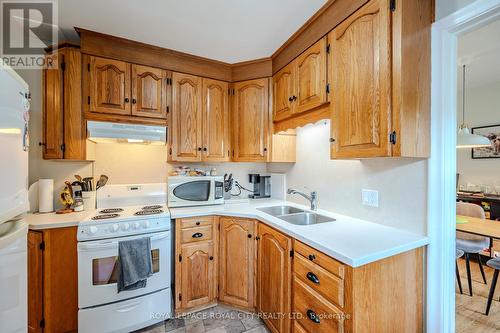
x,y
441,212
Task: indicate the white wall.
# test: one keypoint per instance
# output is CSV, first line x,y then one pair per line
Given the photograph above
x,y
401,182
482,108
446,7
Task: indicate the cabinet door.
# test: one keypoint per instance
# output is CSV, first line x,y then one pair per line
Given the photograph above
x,y
148,92
237,261
186,118
35,281
311,77
109,87
360,60
198,275
274,278
284,90
251,120
53,134
215,121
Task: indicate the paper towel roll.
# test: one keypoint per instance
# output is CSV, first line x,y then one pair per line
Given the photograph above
x,y
46,195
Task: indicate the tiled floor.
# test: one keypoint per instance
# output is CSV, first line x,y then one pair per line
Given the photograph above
x,y
470,316
219,319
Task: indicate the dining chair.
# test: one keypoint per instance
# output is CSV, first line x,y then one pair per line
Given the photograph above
x,y
471,244
495,264
458,254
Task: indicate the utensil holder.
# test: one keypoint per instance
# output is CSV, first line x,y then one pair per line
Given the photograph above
x,y
89,200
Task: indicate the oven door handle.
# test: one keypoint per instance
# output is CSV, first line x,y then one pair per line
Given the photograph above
x,y
89,246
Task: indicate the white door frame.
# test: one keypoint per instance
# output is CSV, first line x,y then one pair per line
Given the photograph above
x,y
442,164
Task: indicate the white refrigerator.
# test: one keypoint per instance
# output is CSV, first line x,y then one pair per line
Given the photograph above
x,y
14,144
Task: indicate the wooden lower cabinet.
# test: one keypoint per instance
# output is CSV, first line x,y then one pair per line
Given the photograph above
x,y
295,288
274,278
196,268
238,254
52,280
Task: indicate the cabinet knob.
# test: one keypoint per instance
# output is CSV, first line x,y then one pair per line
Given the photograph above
x,y
42,144
205,149
290,98
265,149
294,98
249,236
127,100
197,235
197,223
134,101
312,277
332,140
312,257
257,238
211,258
199,148
313,316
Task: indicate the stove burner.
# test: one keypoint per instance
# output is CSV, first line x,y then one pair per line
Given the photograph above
x,y
105,216
149,212
153,207
111,210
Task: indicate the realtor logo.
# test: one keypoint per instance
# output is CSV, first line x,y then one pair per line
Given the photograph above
x,y
27,28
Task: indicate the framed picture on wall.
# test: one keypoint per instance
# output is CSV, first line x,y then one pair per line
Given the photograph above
x,y
492,132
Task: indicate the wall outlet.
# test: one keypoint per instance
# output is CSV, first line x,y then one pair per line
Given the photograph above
x,y
369,198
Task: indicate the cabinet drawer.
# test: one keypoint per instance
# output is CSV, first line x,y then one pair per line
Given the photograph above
x,y
314,313
197,234
320,258
319,279
196,221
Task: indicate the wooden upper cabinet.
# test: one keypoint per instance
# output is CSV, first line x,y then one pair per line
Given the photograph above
x,y
274,278
251,120
198,272
148,92
361,76
53,113
284,90
63,124
109,86
186,118
237,261
311,77
215,110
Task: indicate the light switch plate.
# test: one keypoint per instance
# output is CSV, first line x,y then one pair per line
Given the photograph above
x,y
369,197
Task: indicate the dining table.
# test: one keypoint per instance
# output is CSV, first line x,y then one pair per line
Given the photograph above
x,y
478,226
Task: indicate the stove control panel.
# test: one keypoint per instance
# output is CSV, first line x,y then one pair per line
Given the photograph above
x,y
103,230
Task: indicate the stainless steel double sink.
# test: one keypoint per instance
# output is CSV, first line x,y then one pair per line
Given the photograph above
x,y
295,215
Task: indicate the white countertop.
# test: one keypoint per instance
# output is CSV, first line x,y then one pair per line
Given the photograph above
x,y
352,241
40,221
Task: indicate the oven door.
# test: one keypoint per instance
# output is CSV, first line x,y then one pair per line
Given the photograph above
x,y
191,193
98,271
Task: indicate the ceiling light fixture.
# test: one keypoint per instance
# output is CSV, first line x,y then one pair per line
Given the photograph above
x,y
466,139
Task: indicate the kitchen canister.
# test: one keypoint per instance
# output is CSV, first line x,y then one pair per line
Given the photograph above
x,y
89,200
46,195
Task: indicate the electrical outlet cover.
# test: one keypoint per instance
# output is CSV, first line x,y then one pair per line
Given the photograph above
x,y
369,198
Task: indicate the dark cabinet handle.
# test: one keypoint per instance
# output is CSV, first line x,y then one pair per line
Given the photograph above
x,y
312,277
205,149
332,140
257,238
211,258
294,98
134,101
312,257
42,144
313,316
126,100
197,223
249,236
290,99
199,148
197,235
265,149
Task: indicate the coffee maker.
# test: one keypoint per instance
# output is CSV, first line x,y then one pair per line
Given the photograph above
x,y
261,186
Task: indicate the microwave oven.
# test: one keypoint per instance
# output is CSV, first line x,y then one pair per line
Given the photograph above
x,y
184,191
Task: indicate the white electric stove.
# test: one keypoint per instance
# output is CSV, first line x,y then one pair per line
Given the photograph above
x,y
125,212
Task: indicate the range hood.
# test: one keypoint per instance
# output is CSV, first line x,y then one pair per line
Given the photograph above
x,y
107,132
